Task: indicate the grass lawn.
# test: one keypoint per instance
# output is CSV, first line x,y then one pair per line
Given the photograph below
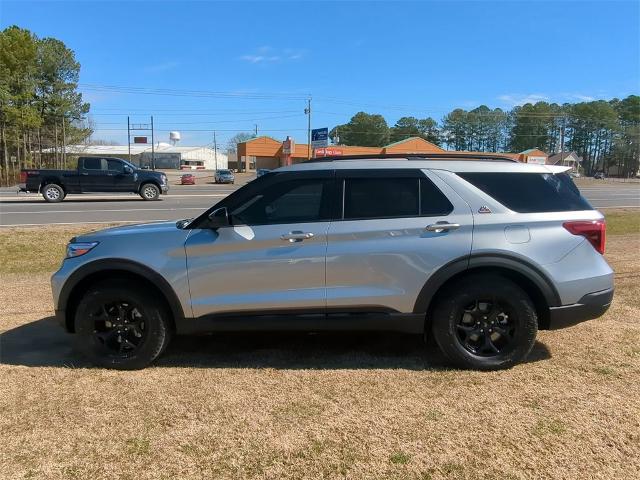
x,y
314,406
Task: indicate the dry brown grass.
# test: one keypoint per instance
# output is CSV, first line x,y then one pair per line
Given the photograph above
x,y
299,406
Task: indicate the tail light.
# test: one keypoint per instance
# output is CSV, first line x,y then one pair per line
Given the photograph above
x,y
594,230
23,177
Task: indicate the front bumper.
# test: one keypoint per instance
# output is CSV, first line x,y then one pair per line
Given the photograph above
x,y
590,306
164,188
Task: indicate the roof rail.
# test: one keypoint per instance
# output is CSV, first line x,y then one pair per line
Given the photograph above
x,y
492,157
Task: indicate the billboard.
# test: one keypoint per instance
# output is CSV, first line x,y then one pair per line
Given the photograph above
x,y
319,137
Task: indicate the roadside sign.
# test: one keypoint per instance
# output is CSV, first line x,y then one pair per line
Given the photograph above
x,y
327,151
319,137
288,146
139,139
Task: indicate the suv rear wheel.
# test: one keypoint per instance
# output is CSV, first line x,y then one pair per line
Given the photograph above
x,y
485,322
53,193
121,326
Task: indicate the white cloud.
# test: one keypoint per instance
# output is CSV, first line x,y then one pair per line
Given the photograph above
x,y
265,55
514,99
581,98
161,67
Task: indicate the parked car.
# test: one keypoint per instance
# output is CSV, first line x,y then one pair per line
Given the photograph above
x,y
599,176
262,171
480,255
188,179
94,174
224,176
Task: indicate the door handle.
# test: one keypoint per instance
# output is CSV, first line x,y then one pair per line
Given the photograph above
x,y
440,227
296,236
84,173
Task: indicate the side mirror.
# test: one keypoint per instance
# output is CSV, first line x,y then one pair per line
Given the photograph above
x,y
128,169
219,218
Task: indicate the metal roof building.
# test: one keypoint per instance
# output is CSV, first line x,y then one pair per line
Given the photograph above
x,y
167,156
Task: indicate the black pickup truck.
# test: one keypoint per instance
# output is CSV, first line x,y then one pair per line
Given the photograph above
x,y
94,174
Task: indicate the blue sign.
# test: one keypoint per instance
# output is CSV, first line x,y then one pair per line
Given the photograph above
x,y
319,137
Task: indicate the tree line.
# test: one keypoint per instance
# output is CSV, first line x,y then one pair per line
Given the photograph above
x,y
40,106
603,133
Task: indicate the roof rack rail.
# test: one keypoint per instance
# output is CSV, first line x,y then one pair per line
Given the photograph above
x,y
417,156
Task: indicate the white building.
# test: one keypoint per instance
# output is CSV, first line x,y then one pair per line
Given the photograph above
x,y
166,156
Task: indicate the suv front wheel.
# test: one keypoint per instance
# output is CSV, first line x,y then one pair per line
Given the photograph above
x,y
485,322
150,191
121,326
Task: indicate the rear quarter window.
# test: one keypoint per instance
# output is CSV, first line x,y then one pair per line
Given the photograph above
x,y
530,192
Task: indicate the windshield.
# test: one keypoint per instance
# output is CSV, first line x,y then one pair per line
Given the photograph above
x,y
224,172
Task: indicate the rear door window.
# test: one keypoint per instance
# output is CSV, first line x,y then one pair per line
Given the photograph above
x,y
392,194
93,163
368,198
530,192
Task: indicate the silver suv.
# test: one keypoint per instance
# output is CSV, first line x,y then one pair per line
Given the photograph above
x,y
479,253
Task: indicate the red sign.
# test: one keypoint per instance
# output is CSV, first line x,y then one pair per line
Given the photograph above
x,y
139,139
327,151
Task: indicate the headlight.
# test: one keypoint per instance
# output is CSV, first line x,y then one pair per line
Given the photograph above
x,y
163,179
79,249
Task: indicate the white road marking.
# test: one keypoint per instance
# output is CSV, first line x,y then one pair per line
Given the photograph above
x,y
108,197
110,210
618,206
79,223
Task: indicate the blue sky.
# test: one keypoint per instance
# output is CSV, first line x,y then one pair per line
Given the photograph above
x,y
257,62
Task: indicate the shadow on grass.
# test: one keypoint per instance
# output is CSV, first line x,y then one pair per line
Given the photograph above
x,y
44,344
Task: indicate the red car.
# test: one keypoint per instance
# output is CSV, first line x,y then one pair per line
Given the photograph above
x,y
187,179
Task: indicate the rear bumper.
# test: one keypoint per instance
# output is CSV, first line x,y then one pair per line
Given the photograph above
x,y
590,306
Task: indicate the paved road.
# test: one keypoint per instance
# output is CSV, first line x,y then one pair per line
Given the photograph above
x,y
188,201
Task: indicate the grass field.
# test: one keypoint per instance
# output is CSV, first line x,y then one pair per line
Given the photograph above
x,y
315,406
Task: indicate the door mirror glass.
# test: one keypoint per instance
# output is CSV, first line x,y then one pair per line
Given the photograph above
x,y
128,169
219,218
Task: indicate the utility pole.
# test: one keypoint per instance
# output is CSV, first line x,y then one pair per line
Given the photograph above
x,y
153,151
129,137
255,132
215,149
307,112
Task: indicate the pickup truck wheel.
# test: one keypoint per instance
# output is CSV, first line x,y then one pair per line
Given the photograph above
x,y
149,191
121,326
485,322
53,193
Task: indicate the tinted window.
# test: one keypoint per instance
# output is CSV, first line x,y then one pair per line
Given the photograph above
x,y
381,198
295,201
93,164
432,201
115,165
530,192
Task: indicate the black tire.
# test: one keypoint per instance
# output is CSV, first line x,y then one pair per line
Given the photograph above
x,y
485,322
149,191
53,193
122,326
